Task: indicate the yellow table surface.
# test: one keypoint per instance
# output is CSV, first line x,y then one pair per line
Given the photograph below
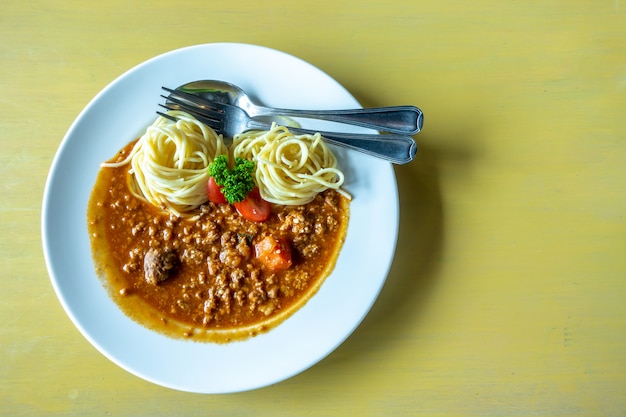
x,y
507,293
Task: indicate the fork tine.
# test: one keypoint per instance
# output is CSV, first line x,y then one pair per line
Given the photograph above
x,y
214,123
208,117
205,111
175,104
193,99
167,116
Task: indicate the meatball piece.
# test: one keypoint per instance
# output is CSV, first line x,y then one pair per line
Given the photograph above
x,y
158,264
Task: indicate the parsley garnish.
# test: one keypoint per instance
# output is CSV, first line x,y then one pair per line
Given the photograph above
x,y
236,182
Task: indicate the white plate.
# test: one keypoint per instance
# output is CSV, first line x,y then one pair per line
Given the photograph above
x,y
120,113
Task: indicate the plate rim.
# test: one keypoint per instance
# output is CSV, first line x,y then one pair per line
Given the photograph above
x,y
45,223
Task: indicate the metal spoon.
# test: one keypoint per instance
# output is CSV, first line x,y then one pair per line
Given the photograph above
x,y
230,120
405,120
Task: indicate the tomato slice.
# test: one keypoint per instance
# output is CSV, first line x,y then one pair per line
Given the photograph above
x,y
275,253
214,192
254,208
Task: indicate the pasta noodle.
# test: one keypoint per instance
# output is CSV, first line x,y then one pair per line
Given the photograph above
x,y
169,163
290,169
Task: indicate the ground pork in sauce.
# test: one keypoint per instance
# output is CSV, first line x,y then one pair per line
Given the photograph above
x,y
203,271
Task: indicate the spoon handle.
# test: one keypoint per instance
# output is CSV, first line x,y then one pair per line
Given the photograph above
x,y
399,149
405,120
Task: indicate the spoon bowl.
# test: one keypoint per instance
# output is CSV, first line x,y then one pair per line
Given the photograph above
x,y
220,92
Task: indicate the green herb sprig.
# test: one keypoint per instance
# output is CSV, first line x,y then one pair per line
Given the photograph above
x,y
236,182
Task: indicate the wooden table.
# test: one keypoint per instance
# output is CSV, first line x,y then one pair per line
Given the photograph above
x,y
507,292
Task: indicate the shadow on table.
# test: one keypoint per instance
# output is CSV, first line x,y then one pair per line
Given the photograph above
x,y
418,251
420,246
420,238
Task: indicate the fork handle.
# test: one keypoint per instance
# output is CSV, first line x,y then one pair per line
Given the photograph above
x,y
395,148
406,120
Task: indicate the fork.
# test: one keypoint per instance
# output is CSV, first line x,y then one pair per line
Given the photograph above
x,y
230,120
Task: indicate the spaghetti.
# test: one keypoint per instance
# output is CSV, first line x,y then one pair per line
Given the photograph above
x,y
169,163
290,169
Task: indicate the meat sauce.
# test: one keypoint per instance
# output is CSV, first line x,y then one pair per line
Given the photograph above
x,y
198,277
